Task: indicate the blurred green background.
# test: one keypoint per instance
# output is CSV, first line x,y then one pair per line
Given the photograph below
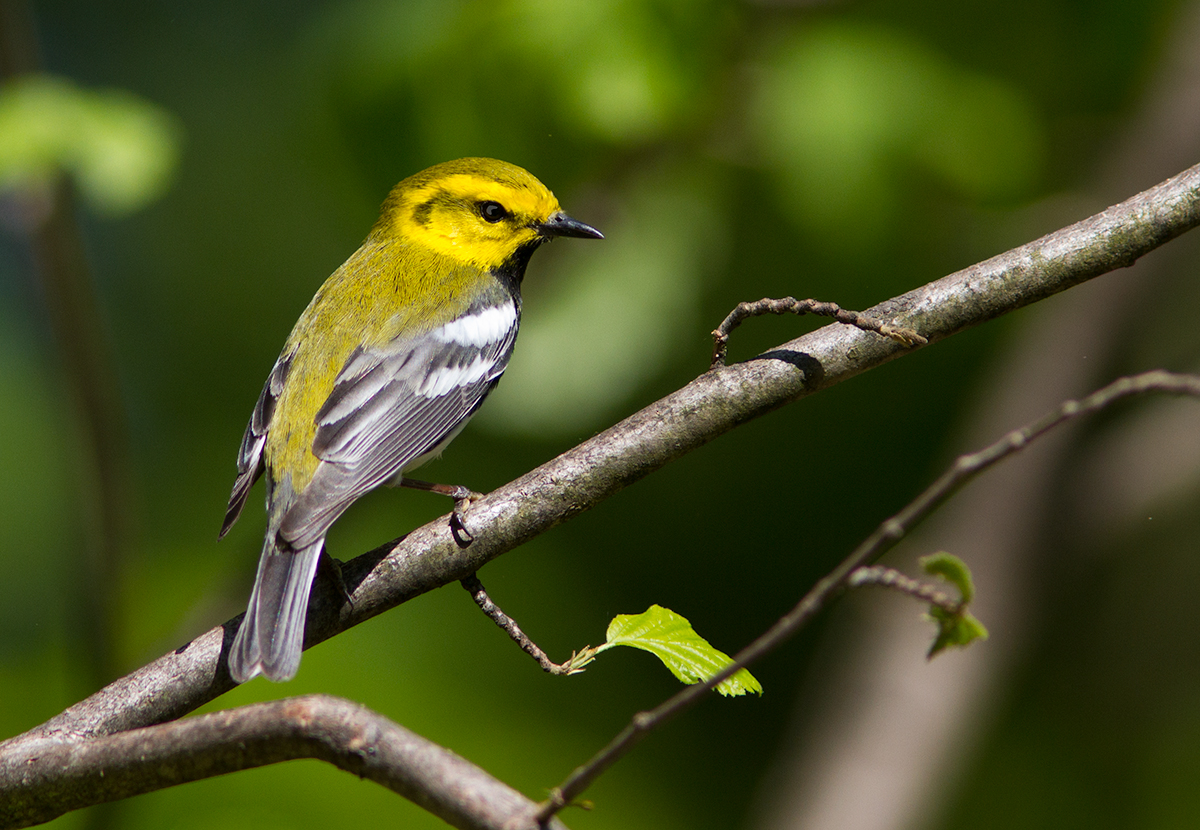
x,y
229,155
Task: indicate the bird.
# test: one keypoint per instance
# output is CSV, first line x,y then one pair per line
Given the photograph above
x,y
384,368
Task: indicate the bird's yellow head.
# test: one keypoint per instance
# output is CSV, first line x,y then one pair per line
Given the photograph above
x,y
478,211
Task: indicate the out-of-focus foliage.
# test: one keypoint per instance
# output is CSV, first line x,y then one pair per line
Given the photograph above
x,y
729,151
846,115
121,149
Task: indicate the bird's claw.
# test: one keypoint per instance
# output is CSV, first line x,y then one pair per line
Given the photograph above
x,y
458,527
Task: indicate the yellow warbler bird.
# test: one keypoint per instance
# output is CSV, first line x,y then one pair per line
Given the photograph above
x,y
384,368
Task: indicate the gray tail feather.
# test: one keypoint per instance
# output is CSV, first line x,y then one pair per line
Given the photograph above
x,y
272,633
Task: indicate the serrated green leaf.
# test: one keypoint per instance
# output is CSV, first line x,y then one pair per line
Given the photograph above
x,y
671,639
952,569
955,630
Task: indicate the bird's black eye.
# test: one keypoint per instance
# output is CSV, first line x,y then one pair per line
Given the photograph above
x,y
492,211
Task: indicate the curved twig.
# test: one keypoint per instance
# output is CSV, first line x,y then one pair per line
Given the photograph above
x,y
790,305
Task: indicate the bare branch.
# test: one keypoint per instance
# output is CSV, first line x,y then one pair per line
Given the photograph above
x,y
68,776
886,536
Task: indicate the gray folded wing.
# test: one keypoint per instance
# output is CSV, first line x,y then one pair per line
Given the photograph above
x,y
392,407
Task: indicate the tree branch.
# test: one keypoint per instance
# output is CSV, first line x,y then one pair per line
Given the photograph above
x,y
581,478
71,775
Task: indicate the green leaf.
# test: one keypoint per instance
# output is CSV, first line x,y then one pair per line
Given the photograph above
x,y
672,639
952,569
957,627
954,629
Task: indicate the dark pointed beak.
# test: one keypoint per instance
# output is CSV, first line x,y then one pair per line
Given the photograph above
x,y
562,225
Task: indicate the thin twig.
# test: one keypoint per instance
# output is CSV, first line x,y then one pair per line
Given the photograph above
x,y
886,536
573,666
790,305
884,577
